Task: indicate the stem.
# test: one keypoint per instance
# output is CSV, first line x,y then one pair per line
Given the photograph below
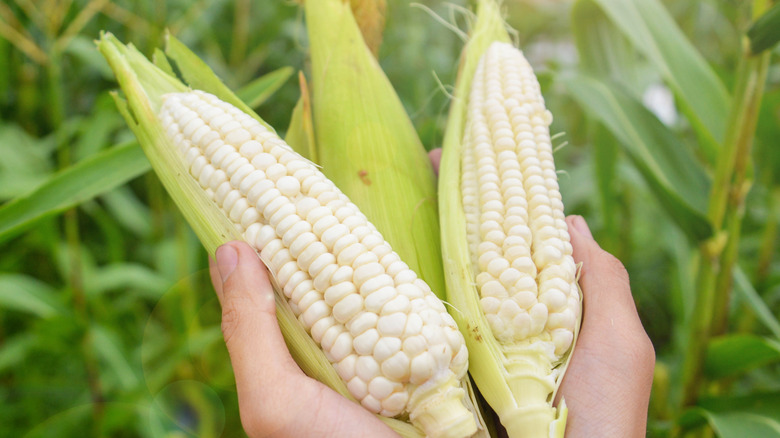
x,y
756,72
726,209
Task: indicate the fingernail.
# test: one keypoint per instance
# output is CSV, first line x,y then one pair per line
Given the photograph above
x,y
227,260
581,226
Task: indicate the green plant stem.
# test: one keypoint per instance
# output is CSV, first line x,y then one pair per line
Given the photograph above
x,y
718,254
735,206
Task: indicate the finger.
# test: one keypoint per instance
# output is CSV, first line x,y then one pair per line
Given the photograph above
x,y
435,156
216,279
257,350
604,279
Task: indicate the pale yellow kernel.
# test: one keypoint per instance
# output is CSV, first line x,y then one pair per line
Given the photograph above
x,y
365,342
363,322
494,288
342,347
347,308
401,303
377,299
323,278
263,161
288,186
397,367
318,328
346,367
422,368
490,304
309,254
358,388
392,324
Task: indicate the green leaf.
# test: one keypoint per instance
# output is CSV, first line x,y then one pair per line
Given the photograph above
x,y
603,49
14,350
734,354
702,96
765,31
70,187
745,289
260,89
26,294
744,425
128,210
671,171
128,276
200,76
109,348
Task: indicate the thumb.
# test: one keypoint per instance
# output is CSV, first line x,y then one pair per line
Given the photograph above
x,y
255,343
604,280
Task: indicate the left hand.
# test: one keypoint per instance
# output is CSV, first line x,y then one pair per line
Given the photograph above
x,y
275,397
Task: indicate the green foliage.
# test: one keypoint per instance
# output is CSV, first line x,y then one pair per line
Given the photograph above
x,y
109,325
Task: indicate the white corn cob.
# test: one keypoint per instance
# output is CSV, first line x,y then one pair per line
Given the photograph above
x,y
517,232
388,336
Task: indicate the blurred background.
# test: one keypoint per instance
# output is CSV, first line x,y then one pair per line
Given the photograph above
x,y
667,128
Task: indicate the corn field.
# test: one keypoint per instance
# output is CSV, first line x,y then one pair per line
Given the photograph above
x,y
666,129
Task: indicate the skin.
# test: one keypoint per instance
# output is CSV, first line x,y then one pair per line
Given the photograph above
x,y
607,385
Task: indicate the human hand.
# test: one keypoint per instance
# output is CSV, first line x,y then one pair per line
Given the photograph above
x,y
275,398
607,385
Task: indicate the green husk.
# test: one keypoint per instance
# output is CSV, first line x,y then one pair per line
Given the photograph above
x,y
367,145
488,359
143,85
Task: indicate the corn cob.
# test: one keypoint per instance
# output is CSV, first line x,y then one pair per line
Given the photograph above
x,y
507,252
383,329
515,223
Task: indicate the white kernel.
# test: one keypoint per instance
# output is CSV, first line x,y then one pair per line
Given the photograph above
x,y
337,292
301,242
263,161
366,367
320,262
342,347
363,322
295,231
350,253
333,234
422,368
318,213
266,235
385,347
319,328
230,200
347,308
346,367
323,224
375,301
365,342
380,388
368,271
284,211
374,283
289,186
401,303
397,366
238,209
358,388
330,335
258,190
310,254
392,324
305,205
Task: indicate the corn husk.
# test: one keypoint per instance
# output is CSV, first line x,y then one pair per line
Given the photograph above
x,y
488,359
143,85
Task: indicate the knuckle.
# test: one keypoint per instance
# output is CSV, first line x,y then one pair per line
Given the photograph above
x,y
614,266
230,323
